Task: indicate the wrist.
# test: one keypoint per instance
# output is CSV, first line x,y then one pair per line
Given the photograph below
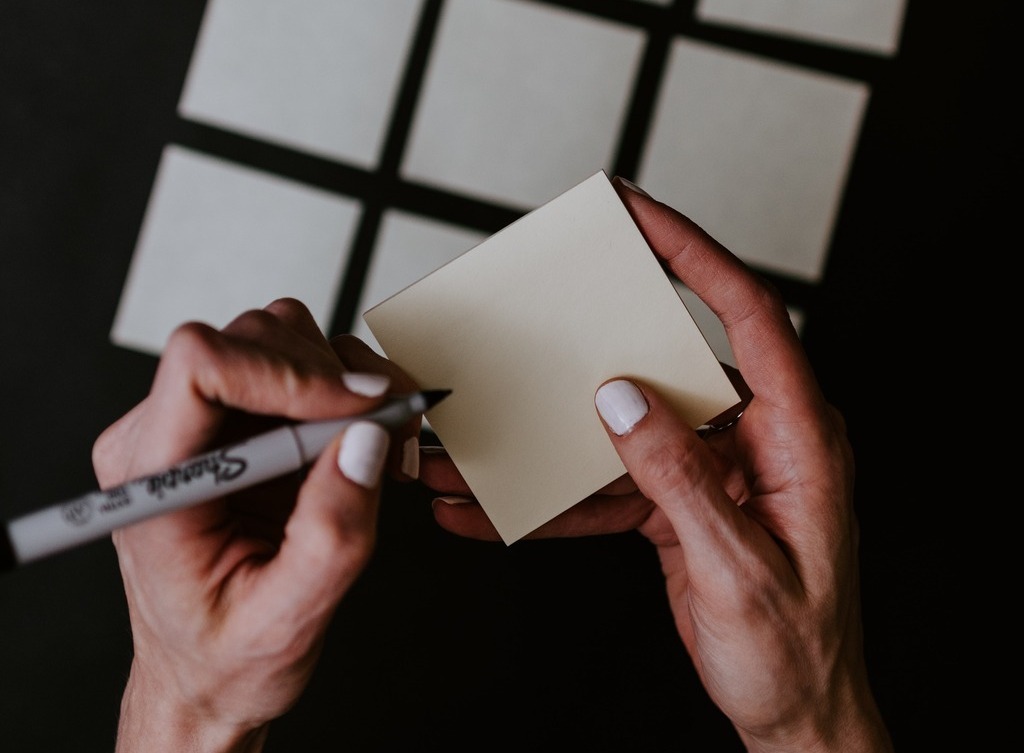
x,y
153,721
850,722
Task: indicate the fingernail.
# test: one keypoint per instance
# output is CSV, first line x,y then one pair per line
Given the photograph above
x,y
454,500
621,405
411,457
433,450
364,447
367,385
633,187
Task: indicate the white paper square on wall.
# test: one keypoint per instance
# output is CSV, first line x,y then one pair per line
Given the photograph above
x,y
219,238
408,248
866,25
755,151
520,100
319,76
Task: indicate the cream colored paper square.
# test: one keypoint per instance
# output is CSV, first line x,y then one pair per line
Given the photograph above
x,y
524,328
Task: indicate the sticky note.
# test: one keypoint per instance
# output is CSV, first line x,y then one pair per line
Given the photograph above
x,y
869,25
318,76
520,100
219,238
523,328
756,151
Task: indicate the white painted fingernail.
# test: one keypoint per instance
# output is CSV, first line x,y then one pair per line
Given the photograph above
x,y
633,187
411,457
454,500
364,448
365,384
621,405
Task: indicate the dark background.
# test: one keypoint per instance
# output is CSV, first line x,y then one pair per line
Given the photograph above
x,y
476,645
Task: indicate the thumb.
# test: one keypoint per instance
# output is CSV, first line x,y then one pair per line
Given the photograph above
x,y
331,533
674,468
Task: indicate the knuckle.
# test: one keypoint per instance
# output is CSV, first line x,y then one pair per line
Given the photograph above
x,y
668,467
191,342
340,550
103,455
252,323
286,306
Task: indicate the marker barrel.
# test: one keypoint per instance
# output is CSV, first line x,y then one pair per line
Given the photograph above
x,y
199,479
96,514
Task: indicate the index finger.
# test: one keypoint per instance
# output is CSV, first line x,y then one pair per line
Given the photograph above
x,y
404,456
761,335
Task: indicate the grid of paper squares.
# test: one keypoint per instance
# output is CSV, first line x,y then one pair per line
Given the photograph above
x,y
519,101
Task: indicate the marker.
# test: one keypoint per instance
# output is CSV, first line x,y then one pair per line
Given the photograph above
x,y
199,479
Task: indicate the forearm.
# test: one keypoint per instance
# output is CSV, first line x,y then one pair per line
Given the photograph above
x,y
151,723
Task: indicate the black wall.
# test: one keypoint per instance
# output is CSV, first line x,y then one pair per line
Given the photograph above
x,y
557,642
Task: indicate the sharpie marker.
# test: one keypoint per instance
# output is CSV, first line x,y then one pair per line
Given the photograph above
x,y
199,479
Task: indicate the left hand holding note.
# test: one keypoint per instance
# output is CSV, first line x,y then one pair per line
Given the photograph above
x,y
754,524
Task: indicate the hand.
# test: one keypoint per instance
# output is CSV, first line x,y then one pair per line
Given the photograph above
x,y
229,600
754,525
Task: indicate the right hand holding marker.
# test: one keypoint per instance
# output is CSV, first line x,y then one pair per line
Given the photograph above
x,y
229,600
